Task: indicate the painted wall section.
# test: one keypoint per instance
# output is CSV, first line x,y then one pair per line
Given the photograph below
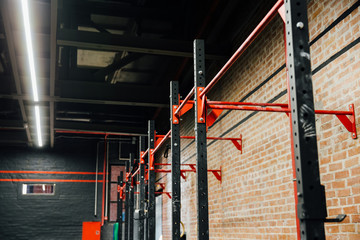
x,y
72,168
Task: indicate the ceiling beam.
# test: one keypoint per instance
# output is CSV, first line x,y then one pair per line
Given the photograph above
x,y
78,126
118,43
86,101
114,92
121,10
53,28
12,124
13,62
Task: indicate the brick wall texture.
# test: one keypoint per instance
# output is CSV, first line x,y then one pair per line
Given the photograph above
x,y
255,199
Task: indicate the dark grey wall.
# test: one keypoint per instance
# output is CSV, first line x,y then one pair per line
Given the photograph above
x,y
55,217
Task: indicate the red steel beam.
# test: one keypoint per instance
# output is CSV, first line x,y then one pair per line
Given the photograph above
x,y
266,20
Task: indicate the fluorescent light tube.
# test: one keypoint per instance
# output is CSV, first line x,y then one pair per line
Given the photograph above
x,y
38,125
26,18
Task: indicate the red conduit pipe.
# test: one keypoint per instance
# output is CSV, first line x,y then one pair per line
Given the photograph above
x,y
266,20
103,186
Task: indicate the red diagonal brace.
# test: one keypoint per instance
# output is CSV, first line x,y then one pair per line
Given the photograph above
x,y
349,123
182,174
237,144
217,174
212,116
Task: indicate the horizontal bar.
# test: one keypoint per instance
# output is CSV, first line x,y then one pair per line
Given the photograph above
x,y
162,142
187,98
247,104
228,105
50,172
209,138
250,108
266,20
184,170
333,112
169,164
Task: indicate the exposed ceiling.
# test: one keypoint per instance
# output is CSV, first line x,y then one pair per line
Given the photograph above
x,y
106,65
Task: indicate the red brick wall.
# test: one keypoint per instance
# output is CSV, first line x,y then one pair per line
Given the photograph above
x,y
255,199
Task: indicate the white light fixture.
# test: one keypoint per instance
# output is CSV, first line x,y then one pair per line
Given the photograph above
x,y
29,46
26,18
38,126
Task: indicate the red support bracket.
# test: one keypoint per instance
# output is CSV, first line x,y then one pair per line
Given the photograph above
x,y
238,143
142,161
201,107
349,123
212,116
166,193
217,174
162,185
151,163
188,105
175,118
183,175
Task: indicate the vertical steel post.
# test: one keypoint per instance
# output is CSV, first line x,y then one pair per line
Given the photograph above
x,y
131,204
175,160
127,222
120,205
200,139
142,189
151,182
311,194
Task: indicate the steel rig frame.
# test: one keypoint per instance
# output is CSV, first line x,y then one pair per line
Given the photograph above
x,y
308,192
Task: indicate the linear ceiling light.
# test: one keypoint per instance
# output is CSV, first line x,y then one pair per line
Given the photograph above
x,y
26,18
38,126
25,10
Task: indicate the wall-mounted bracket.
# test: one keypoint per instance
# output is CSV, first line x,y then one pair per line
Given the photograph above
x,y
339,218
188,105
349,122
212,116
238,143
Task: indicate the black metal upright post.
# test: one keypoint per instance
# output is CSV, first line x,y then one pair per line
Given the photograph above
x,y
127,185
142,189
175,160
200,139
311,194
120,205
151,181
131,203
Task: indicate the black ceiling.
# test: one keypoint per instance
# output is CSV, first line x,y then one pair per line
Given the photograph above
x,y
106,65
